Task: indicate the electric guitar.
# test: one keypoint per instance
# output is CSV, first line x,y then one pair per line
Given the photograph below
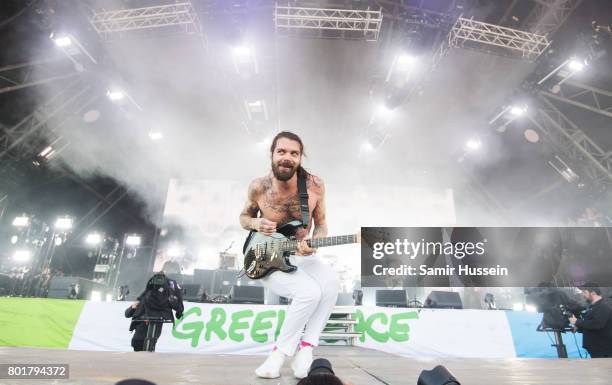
x,y
264,254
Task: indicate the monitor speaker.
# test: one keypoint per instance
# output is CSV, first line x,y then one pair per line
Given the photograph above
x,y
443,300
391,298
247,294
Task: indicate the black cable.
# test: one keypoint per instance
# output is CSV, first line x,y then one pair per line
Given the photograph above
x,y
577,347
10,19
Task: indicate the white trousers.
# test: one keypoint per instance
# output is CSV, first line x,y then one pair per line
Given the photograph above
x,y
313,289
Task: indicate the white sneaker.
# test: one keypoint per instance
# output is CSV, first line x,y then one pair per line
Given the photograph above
x,y
301,362
272,365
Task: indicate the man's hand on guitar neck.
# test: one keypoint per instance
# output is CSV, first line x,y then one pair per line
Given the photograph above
x,y
304,250
263,226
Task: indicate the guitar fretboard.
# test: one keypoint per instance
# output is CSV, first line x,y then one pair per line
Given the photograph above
x,y
291,245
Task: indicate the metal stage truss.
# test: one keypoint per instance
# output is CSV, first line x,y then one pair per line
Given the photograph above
x,y
347,23
548,15
23,75
568,138
476,34
180,17
581,95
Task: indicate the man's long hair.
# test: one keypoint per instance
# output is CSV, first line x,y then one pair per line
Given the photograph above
x,y
301,171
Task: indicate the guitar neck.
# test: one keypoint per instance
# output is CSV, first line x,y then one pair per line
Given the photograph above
x,y
291,245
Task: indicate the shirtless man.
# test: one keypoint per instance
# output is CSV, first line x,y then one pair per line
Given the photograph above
x,y
314,287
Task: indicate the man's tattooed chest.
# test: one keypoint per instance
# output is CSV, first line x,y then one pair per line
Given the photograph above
x,y
287,208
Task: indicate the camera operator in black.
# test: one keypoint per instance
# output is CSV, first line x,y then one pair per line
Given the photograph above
x,y
135,311
161,296
596,323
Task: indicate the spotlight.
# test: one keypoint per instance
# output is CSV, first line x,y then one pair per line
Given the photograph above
x,y
575,65
367,146
531,308
61,41
21,221
22,255
96,296
384,110
63,223
473,144
133,240
174,252
14,239
58,241
518,110
405,60
242,52
115,95
93,239
518,307
155,135
266,142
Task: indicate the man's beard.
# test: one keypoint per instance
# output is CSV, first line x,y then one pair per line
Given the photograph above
x,y
282,174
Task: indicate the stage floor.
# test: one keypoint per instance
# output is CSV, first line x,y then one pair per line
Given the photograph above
x,y
357,365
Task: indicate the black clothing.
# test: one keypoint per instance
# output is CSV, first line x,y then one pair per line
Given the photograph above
x,y
139,327
596,328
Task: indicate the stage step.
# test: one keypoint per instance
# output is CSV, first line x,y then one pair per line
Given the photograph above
x,y
340,335
341,324
341,321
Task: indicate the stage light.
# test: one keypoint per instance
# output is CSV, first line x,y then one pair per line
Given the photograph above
x,y
174,251
518,110
266,142
61,41
383,110
22,255
405,60
58,241
473,145
115,95
46,152
109,298
63,223
518,307
575,65
367,146
93,239
21,221
133,240
155,135
531,308
242,52
96,296
14,239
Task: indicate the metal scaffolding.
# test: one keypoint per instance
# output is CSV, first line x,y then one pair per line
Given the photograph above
x,y
583,96
179,17
347,23
548,15
476,34
17,140
568,138
18,76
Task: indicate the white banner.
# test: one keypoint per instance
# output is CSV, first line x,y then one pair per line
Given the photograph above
x,y
252,329
436,332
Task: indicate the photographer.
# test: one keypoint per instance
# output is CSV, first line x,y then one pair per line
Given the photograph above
x,y
154,307
596,323
321,373
135,311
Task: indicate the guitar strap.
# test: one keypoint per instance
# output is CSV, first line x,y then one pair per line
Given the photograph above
x,y
303,199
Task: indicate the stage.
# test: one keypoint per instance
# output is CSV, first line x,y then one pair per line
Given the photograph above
x,y
352,364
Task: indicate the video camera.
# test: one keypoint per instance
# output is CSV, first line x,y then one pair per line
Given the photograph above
x,y
557,305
